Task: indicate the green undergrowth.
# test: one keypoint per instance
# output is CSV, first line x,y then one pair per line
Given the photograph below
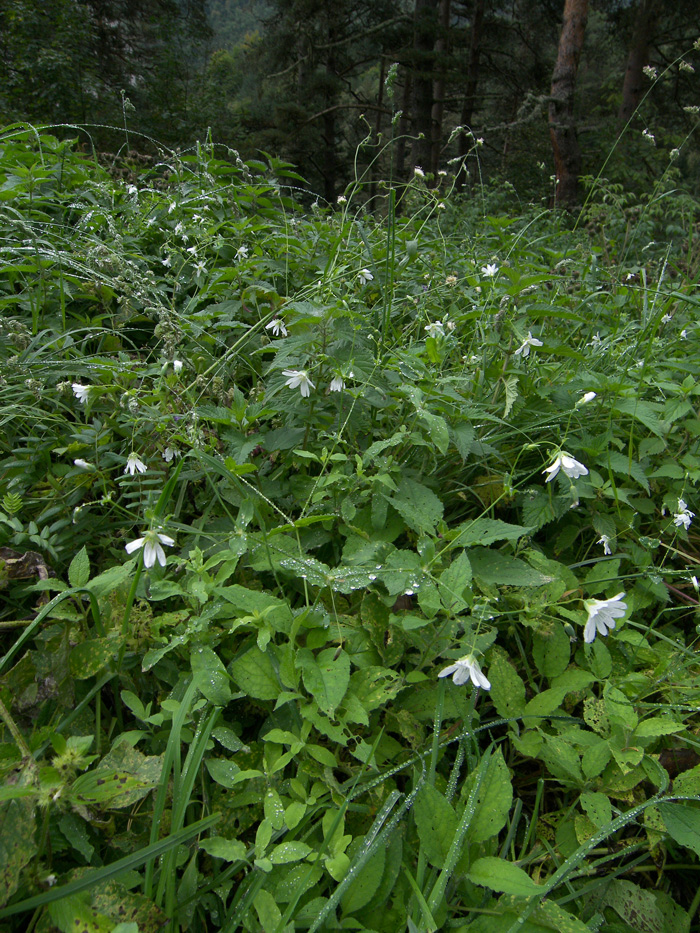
x,y
267,469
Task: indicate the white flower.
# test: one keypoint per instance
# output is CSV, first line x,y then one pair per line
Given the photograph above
x,y
683,516
605,541
337,384
451,280
133,464
683,334
172,206
602,614
151,543
167,262
467,667
84,465
565,462
200,268
365,276
435,329
277,327
647,134
649,71
666,319
298,378
82,393
686,66
418,172
177,365
242,252
489,270
341,199
585,399
169,453
595,341
528,342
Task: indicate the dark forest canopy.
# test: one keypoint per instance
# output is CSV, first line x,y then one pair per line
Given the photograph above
x,y
327,83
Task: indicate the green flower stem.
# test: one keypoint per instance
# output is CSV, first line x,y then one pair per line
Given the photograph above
x,y
14,731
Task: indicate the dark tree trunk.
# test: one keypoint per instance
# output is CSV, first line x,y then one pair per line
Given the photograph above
x,y
423,63
562,129
441,50
635,83
465,142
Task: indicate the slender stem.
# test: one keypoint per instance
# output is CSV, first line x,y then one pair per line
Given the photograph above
x,y
16,734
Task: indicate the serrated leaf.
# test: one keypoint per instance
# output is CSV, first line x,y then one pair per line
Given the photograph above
x,y
645,412
512,392
624,466
499,875
485,531
254,673
419,507
79,569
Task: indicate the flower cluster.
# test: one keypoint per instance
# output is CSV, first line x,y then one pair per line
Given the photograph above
x,y
683,516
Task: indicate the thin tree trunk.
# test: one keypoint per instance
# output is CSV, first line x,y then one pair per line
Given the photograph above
x,y
562,129
441,50
634,84
465,142
423,63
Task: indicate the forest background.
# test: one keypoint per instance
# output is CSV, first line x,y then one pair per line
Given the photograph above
x,y
326,84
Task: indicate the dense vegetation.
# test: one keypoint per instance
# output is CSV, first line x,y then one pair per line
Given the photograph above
x,y
349,564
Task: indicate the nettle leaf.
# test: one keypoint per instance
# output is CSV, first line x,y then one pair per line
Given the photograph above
x,y
507,689
500,875
463,436
79,570
435,821
255,673
326,676
502,570
307,568
624,466
211,676
485,531
645,412
419,507
512,392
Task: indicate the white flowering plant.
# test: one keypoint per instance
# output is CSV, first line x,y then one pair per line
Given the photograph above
x,y
298,512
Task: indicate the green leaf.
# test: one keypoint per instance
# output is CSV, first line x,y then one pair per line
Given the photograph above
x,y
500,569
79,569
657,726
419,507
326,676
307,568
365,883
74,915
597,808
624,466
255,673
437,428
493,801
507,689
551,650
289,852
104,784
455,584
231,850
17,848
90,656
499,875
644,412
210,675
485,531
435,821
222,771
683,824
